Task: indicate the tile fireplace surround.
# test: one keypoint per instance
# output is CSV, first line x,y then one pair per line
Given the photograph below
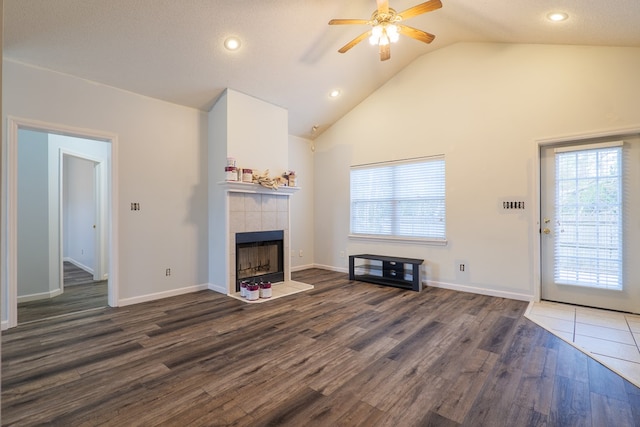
x,y
255,208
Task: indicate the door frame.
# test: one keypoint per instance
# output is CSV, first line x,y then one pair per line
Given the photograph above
x,y
10,199
536,215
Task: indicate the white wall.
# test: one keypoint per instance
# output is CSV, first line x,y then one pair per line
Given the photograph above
x,y
33,213
256,133
301,160
217,208
161,164
483,106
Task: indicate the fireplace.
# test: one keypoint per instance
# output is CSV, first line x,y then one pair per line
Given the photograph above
x,y
259,256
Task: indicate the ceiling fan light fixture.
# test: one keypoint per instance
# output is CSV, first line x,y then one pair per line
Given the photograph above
x,y
392,32
387,25
557,16
376,33
383,34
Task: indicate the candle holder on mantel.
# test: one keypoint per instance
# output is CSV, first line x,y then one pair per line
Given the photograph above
x,y
291,178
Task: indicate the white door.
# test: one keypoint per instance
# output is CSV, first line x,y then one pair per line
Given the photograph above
x,y
590,223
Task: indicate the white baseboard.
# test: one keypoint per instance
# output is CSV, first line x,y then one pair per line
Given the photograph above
x,y
217,288
39,296
477,290
4,325
302,267
79,264
161,295
331,268
452,286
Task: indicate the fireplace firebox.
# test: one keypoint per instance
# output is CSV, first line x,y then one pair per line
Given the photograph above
x,y
259,256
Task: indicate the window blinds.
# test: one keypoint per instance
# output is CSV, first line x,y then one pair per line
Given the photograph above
x,y
399,199
588,238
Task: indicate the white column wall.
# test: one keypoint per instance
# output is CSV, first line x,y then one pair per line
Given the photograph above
x,y
33,214
302,216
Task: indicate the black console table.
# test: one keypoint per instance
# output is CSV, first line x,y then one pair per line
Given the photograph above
x,y
386,270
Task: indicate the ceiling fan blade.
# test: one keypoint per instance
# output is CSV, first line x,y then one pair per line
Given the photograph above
x,y
354,42
383,7
349,22
385,52
420,9
414,33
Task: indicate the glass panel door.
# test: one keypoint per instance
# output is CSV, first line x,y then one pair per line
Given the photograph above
x,y
587,198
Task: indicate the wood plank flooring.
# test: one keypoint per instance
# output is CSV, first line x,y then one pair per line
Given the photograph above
x,y
74,275
343,354
81,293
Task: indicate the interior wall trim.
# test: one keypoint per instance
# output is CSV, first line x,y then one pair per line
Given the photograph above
x,y
40,296
160,295
481,291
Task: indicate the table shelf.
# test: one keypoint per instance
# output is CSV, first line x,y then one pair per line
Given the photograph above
x,y
385,270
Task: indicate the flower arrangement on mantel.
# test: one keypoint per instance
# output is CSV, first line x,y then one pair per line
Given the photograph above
x,y
266,181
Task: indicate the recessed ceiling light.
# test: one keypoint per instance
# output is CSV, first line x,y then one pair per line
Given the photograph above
x,y
557,16
232,43
334,93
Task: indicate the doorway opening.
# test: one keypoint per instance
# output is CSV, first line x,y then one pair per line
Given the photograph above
x,y
65,219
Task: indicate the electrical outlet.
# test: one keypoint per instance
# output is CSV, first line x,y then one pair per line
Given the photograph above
x,y
300,253
167,272
461,267
341,254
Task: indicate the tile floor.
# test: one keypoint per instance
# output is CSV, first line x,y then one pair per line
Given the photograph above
x,y
610,337
278,290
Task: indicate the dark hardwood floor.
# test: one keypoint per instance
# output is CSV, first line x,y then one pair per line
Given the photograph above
x,y
343,354
74,275
81,293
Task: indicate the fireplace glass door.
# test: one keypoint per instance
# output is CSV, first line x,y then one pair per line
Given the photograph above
x,y
259,256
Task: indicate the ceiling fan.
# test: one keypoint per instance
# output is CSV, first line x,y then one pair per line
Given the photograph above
x,y
386,27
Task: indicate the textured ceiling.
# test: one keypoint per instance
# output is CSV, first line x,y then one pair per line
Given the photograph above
x,y
173,49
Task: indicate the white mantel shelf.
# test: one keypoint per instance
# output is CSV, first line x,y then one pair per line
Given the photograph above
x,y
248,187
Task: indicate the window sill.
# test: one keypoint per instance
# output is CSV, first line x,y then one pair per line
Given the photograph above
x,y
411,240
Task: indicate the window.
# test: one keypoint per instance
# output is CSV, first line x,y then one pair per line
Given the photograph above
x,y
403,199
588,246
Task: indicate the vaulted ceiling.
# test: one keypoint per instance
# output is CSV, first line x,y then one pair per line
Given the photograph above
x,y
173,49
